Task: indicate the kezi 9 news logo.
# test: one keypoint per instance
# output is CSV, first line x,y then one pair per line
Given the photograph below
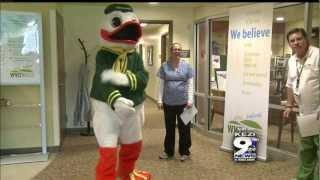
x,y
244,145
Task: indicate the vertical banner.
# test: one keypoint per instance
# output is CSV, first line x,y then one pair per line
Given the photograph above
x,y
248,73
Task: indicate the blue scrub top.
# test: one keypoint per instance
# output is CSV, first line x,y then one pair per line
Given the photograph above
x,y
175,90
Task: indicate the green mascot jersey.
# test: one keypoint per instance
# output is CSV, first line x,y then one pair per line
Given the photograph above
x,y
137,76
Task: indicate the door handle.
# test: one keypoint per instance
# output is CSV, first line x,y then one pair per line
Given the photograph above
x,y
200,94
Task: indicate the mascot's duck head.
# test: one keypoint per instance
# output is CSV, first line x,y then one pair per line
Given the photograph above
x,y
121,28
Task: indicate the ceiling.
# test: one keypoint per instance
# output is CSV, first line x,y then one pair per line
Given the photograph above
x,y
186,4
291,13
151,27
166,4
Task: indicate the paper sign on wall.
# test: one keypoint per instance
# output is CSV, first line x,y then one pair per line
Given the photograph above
x,y
20,41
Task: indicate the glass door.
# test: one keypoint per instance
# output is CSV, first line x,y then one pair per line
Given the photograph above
x,y
218,71
202,74
22,103
315,40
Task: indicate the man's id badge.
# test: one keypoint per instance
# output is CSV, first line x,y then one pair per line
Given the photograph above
x,y
296,92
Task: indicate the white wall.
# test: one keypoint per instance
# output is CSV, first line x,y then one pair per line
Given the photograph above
x,y
78,24
152,69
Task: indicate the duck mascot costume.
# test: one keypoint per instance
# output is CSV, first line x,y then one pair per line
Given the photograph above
x,y
117,96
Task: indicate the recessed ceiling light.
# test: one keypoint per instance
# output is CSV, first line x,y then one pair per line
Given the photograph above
x,y
280,18
143,24
31,23
153,3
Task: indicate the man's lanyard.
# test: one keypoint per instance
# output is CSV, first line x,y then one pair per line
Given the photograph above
x,y
299,73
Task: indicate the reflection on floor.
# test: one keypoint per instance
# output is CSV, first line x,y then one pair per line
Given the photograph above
x,y
23,171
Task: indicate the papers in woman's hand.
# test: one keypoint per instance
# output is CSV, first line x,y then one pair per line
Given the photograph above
x,y
188,114
309,124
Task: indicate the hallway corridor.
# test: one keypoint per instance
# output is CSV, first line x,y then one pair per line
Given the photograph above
x,y
79,155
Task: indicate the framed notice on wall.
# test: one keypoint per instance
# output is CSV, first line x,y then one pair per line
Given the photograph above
x,y
150,55
185,53
20,48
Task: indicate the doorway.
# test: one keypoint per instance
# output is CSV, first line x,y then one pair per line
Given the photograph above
x,y
153,47
164,47
60,116
166,37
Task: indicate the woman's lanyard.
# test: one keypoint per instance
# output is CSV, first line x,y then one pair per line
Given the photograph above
x,y
299,73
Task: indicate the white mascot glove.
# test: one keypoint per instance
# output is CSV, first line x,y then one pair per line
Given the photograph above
x,y
115,78
124,108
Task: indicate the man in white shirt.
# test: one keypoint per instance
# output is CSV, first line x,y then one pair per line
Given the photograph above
x,y
303,89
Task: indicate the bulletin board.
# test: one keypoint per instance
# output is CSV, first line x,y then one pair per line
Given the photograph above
x,y
220,73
